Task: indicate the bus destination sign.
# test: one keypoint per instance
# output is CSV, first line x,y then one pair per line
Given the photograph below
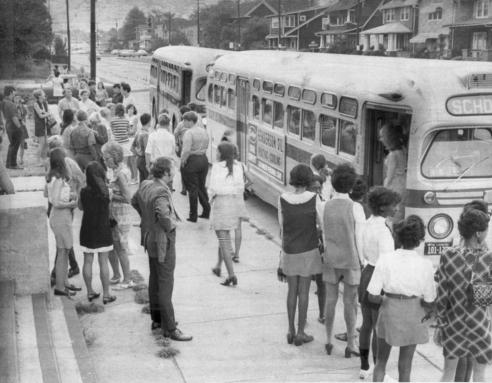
x,y
470,105
267,151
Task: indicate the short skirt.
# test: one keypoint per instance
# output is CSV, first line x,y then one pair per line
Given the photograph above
x,y
104,249
303,264
400,322
121,212
61,224
227,210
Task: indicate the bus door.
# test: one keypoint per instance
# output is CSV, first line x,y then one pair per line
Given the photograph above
x,y
375,117
186,91
243,95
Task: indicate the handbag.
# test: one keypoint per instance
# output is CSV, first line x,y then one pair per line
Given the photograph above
x,y
481,290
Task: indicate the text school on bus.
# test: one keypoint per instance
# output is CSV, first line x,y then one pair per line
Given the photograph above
x,y
283,107
178,76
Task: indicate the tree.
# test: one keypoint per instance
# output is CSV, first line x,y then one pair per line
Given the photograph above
x,y
253,33
179,38
134,18
25,28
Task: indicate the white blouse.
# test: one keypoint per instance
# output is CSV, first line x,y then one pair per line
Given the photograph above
x,y
376,239
404,272
221,183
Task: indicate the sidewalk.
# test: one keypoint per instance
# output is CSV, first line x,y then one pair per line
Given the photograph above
x,y
239,333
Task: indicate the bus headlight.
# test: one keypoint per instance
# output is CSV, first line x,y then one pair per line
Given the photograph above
x,y
440,226
430,198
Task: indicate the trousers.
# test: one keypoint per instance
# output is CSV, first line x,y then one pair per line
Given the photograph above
x,y
142,169
15,138
195,174
161,284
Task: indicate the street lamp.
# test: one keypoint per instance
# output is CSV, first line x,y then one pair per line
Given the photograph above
x,y
313,45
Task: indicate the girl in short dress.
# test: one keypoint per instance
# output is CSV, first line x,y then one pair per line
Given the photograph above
x,y
226,190
406,277
300,258
95,232
464,328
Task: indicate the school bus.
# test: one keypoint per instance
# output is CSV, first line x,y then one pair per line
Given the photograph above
x,y
286,106
178,75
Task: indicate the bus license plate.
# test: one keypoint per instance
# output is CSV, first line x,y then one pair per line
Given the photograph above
x,y
436,248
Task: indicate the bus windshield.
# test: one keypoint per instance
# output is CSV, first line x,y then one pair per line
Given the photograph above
x,y
459,153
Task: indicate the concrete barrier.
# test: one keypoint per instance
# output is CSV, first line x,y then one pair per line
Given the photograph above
x,y
24,252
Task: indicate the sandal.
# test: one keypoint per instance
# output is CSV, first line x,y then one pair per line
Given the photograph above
x,y
109,299
93,296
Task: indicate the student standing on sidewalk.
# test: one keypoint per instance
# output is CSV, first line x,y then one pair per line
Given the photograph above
x,y
12,125
154,203
377,240
139,144
407,279
194,164
300,258
343,222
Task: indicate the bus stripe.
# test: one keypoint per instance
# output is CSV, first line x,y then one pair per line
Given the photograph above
x,y
415,198
227,121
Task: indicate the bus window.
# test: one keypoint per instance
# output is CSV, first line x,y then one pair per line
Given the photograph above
x,y
267,86
329,100
256,84
308,125
463,152
256,108
223,77
232,78
266,111
210,93
309,96
328,127
294,92
231,99
293,119
348,136
279,89
278,113
216,95
223,97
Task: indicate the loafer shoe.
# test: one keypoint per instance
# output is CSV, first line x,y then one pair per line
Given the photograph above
x,y
178,335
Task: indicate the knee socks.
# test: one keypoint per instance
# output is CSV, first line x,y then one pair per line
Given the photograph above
x,y
364,359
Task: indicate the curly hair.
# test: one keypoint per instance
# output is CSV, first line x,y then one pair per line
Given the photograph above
x,y
114,150
379,197
318,161
472,221
359,189
301,175
394,135
343,178
409,232
477,204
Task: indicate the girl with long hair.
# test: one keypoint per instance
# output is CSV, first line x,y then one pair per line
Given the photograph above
x,y
63,201
95,231
226,194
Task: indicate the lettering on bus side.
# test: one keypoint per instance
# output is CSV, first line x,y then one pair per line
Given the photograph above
x,y
267,151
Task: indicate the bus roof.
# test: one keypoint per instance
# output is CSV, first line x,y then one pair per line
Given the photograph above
x,y
188,56
352,75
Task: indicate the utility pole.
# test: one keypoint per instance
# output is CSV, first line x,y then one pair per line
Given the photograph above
x,y
198,22
358,15
238,25
169,20
93,39
279,24
69,44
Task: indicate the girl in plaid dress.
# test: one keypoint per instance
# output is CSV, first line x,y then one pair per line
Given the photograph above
x,y
463,328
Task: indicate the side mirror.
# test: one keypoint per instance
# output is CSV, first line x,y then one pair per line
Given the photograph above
x,y
487,196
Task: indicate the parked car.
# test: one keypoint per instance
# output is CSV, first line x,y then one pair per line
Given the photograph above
x,y
142,52
115,52
126,53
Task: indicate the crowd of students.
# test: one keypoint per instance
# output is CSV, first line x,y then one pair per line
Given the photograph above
x,y
375,257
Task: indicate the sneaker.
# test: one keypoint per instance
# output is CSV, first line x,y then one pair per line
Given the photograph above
x,y
366,374
124,285
114,280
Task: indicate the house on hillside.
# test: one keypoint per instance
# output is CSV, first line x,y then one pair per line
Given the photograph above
x,y
433,37
295,28
399,25
143,35
342,24
471,29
